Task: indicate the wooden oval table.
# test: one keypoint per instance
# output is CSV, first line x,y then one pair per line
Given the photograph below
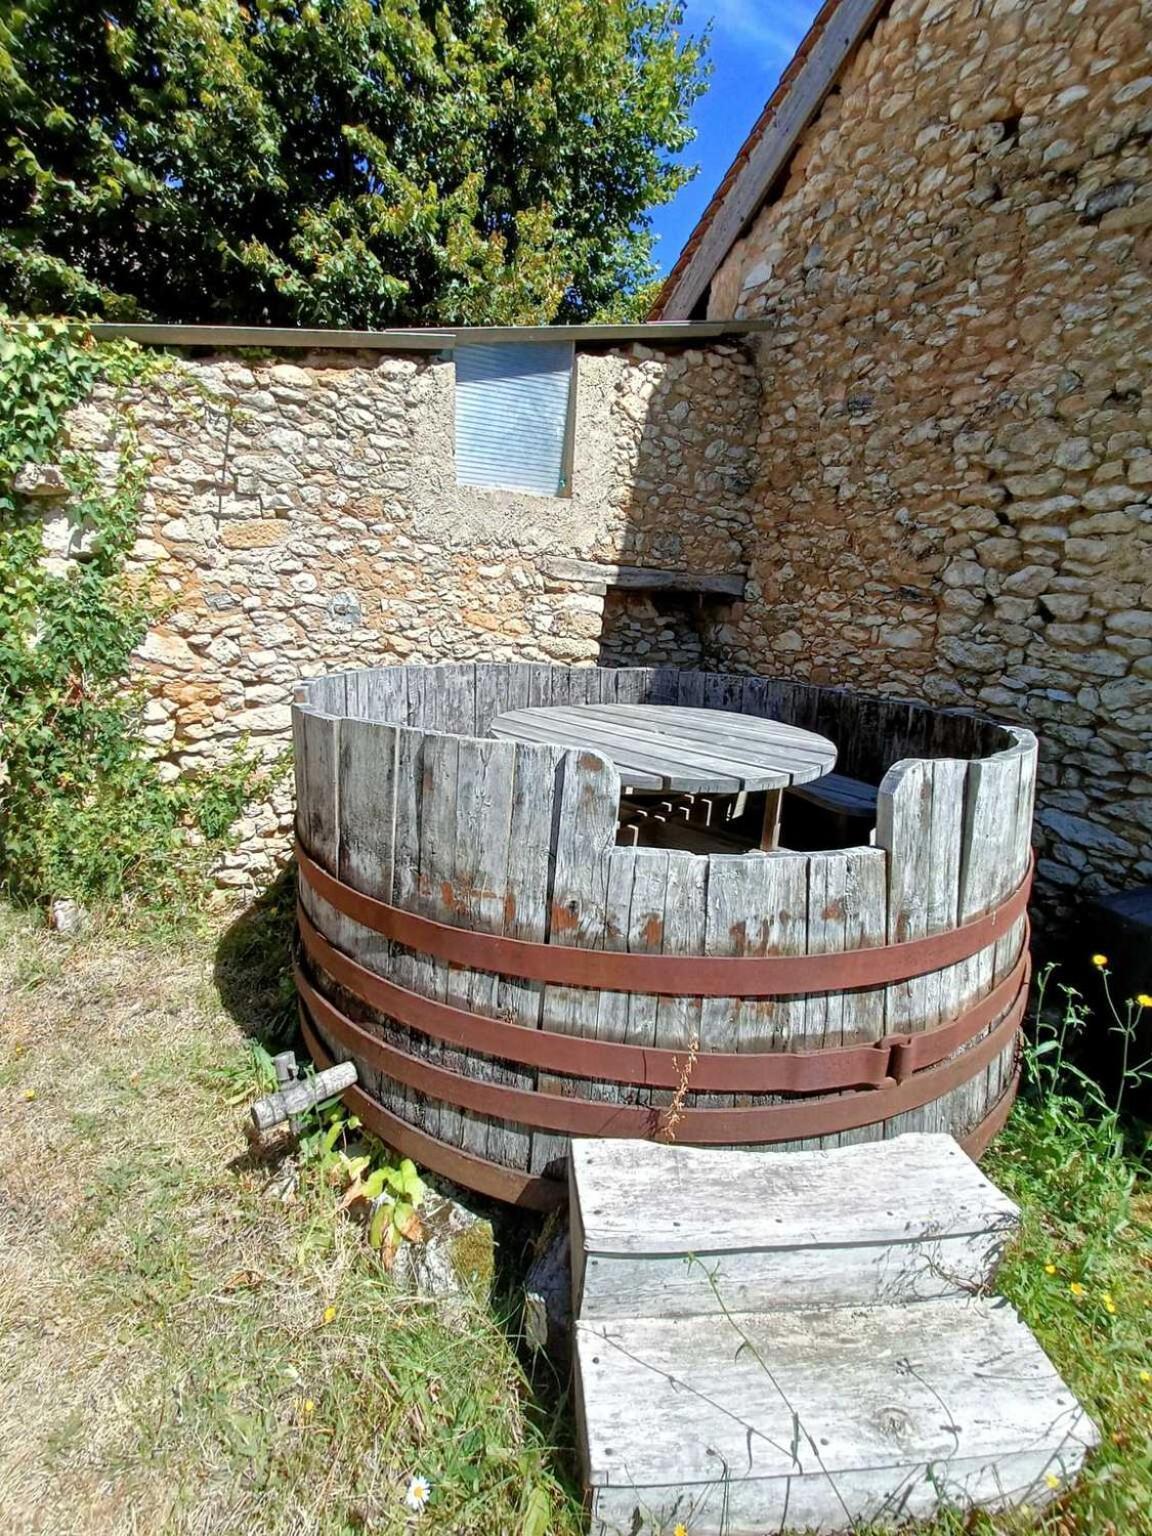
x,y
663,748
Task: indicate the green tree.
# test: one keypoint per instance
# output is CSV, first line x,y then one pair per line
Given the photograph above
x,y
337,162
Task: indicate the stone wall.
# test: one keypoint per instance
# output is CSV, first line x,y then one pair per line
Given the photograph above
x,y
303,516
956,442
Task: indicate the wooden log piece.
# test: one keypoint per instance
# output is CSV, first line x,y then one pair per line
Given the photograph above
x,y
303,1094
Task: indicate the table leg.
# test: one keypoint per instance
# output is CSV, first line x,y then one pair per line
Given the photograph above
x,y
773,799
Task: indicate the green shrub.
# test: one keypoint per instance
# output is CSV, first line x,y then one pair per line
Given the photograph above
x,y
84,810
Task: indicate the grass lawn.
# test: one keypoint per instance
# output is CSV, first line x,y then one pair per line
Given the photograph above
x,y
184,1352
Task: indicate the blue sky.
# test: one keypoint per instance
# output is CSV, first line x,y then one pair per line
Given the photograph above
x,y
752,43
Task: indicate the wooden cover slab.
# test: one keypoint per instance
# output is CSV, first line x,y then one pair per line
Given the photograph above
x,y
676,1231
821,1419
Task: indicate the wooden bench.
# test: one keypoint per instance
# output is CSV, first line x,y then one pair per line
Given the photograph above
x,y
841,795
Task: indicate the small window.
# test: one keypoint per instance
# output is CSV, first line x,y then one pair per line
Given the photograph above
x,y
513,415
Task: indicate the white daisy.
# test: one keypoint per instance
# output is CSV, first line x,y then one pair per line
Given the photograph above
x,y
419,1490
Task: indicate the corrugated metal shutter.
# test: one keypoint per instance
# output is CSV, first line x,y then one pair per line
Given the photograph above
x,y
512,415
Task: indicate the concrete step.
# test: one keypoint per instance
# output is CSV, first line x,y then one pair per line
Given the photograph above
x,y
669,1231
819,1420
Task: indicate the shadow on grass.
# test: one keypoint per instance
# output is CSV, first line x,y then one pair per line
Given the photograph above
x,y
253,966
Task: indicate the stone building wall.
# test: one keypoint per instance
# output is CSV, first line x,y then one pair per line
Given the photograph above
x,y
956,442
302,516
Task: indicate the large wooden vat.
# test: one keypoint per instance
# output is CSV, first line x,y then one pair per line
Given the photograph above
x,y
505,976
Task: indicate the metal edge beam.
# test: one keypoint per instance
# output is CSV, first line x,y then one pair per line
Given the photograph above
x,y
653,333
799,107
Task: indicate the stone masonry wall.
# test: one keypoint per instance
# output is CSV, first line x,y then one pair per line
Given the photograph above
x,y
956,441
303,516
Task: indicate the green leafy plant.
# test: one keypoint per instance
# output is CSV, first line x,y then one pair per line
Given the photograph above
x,y
84,809
387,1194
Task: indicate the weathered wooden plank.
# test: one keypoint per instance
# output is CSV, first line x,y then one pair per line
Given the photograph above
x,y
484,779
410,969
824,1420
775,922
438,834
585,827
613,1007
367,819
846,911
920,821
643,578
762,1222
678,1018
527,881
379,693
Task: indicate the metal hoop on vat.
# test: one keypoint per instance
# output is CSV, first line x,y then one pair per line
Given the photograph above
x,y
561,965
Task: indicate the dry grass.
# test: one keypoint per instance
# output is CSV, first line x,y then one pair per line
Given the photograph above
x,y
167,1363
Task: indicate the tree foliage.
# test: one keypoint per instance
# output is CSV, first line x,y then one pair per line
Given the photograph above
x,y
337,162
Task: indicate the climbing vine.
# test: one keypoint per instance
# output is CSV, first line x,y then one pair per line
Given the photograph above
x,y
85,811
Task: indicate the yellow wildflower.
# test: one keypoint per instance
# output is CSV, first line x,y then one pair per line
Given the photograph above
x,y
308,1407
1049,1269
329,1314
1109,1304
1143,1000
1100,961
1077,1289
680,1529
28,1095
1146,1377
1052,1480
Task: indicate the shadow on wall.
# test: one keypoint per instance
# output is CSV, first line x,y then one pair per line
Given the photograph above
x,y
691,467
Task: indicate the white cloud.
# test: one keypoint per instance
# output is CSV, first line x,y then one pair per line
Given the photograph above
x,y
774,25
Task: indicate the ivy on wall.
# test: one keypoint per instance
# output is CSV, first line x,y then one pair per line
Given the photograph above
x,y
85,811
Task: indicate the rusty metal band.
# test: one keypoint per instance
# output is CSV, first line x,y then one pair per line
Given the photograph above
x,y
561,965
875,1064
597,1117
509,1184
534,1191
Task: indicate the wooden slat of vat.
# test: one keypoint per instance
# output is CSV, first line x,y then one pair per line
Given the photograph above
x,y
367,817
484,778
678,1018
585,826
379,693
985,878
437,871
689,690
724,690
410,969
748,895
776,923
1018,862
527,879
846,894
316,742
450,698
500,686
612,1007
631,685
920,821
661,686
646,918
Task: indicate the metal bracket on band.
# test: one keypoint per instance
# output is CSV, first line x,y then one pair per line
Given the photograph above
x,y
533,1191
796,1120
879,1064
667,975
